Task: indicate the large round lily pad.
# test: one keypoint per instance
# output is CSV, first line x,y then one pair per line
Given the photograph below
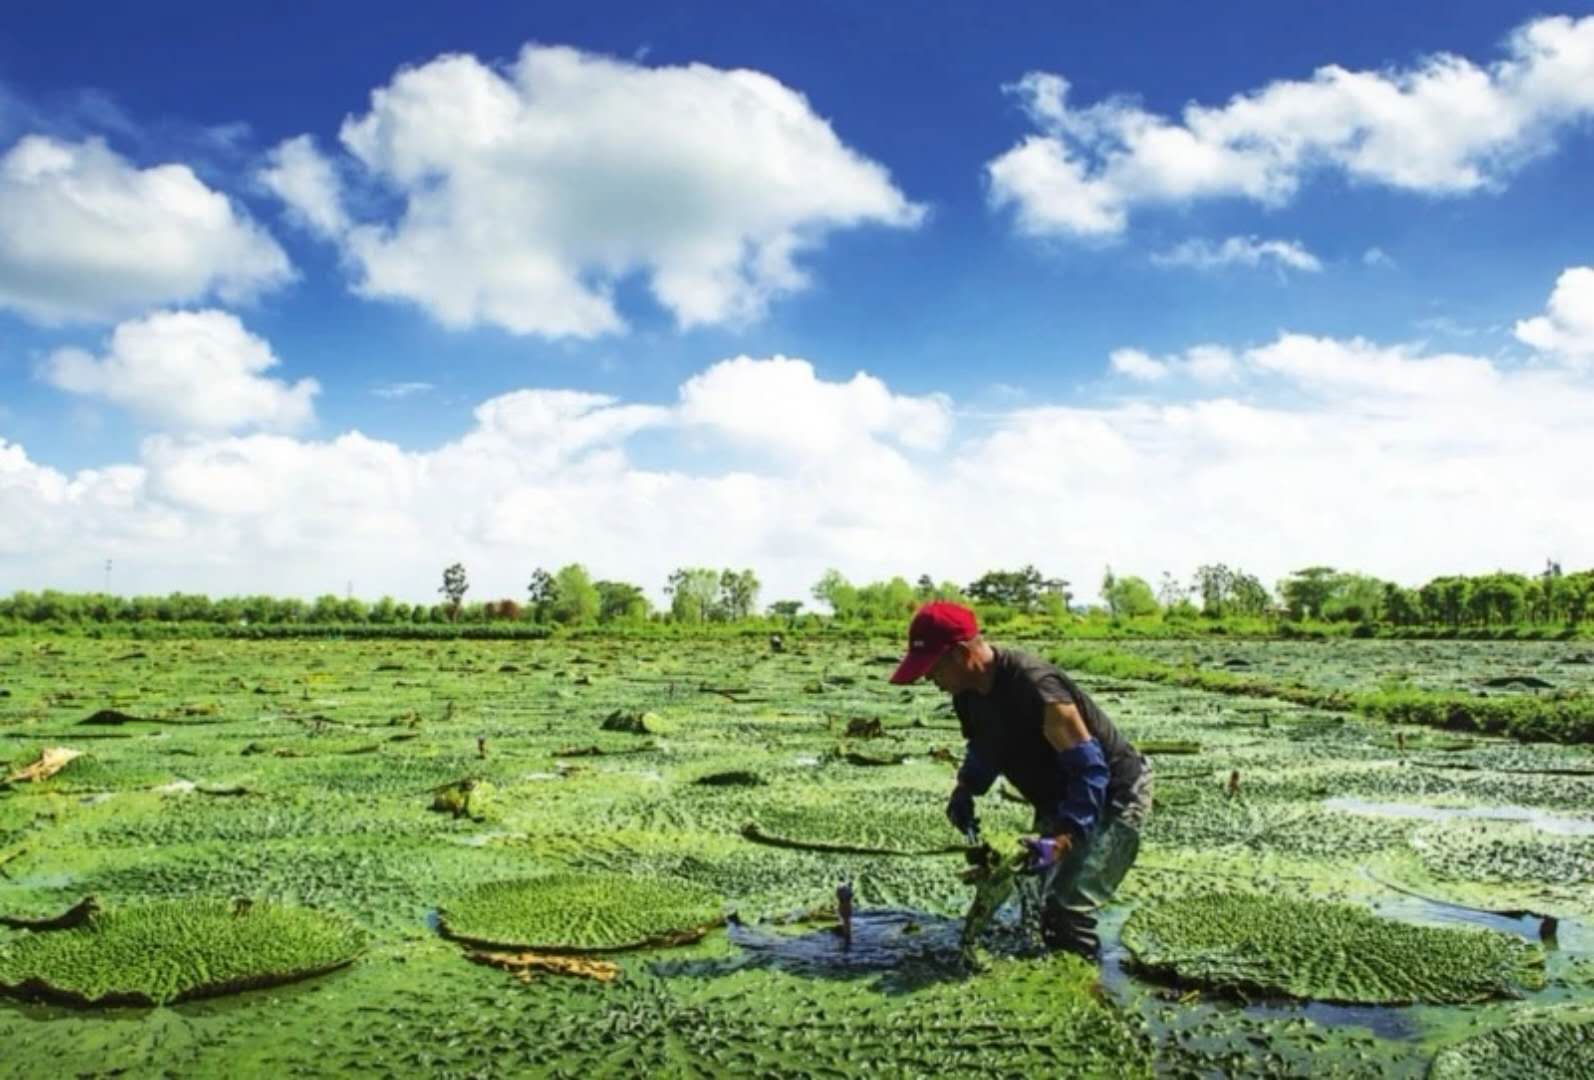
x,y
1533,1050
1324,952
888,821
176,950
576,912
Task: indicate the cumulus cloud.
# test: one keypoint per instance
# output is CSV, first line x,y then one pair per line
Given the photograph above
x,y
187,371
86,235
1249,251
301,176
1565,331
542,477
1138,365
783,405
1445,126
1203,363
529,191
1300,450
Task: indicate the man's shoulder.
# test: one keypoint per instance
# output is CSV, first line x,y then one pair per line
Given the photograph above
x,y
1024,664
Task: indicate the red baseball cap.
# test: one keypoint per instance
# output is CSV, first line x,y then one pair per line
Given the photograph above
x,y
935,628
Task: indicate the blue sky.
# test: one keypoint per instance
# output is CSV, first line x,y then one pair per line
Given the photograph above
x,y
310,294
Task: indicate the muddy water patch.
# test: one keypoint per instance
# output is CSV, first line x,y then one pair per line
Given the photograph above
x,y
882,940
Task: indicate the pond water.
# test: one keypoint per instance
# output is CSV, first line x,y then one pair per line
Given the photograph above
x,y
1559,824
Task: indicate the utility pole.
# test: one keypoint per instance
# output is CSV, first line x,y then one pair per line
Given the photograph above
x,y
107,577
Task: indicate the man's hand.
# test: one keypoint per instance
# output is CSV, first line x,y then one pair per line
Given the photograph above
x,y
1044,851
960,810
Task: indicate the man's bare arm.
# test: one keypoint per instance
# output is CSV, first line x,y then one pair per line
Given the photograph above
x,y
1063,727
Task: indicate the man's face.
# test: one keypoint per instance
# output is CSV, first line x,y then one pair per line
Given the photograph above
x,y
951,672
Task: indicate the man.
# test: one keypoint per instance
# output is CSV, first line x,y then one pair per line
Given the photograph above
x,y
1025,720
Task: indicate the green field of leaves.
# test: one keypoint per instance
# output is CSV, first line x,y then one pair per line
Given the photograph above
x,y
297,846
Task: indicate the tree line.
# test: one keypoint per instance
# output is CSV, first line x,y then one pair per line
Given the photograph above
x,y
571,596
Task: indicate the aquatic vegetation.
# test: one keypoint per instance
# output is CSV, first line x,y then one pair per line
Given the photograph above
x,y
575,912
995,879
1163,747
637,723
1251,944
884,828
467,798
1507,852
1018,1019
176,950
340,821
1560,717
1205,818
1532,1049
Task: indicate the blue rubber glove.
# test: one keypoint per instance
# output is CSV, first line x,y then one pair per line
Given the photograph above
x,y
1043,851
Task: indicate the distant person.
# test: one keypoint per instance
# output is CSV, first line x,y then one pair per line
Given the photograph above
x,y
1025,720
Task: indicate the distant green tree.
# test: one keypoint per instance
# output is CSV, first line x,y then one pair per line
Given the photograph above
x,y
1306,591
1214,584
1248,596
540,594
1169,591
1020,589
837,593
1577,592
1497,598
738,594
693,592
1549,597
1128,597
575,599
1402,607
621,602
886,601
786,609
454,587
1354,598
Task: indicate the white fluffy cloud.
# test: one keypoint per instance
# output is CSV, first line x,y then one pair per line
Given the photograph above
x,y
783,405
187,371
1566,330
1203,363
542,477
1301,450
1249,251
84,234
530,191
298,174
1445,126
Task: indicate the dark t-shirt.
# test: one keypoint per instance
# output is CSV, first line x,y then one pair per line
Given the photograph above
x,y
1006,729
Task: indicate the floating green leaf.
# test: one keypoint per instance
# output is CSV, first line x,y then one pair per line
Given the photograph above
x,y
1324,951
575,912
1537,1049
176,950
